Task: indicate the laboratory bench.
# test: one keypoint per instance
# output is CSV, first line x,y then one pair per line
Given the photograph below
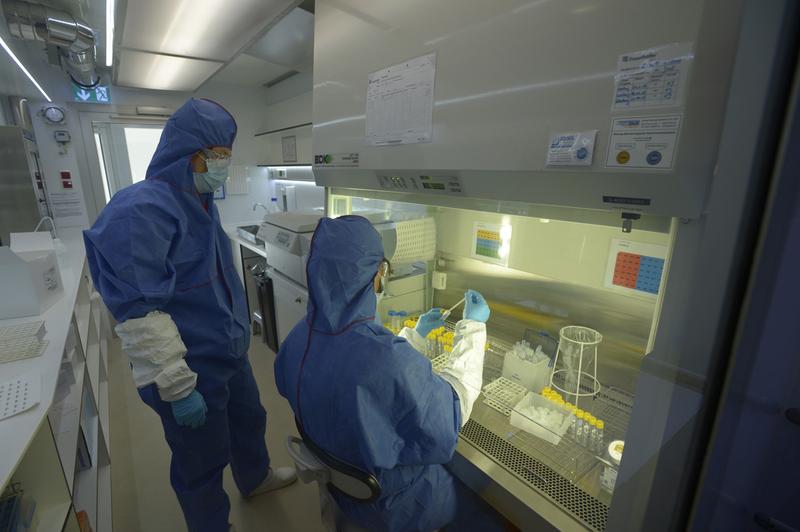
x,y
57,453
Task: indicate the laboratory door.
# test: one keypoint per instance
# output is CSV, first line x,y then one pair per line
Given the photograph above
x,y
124,152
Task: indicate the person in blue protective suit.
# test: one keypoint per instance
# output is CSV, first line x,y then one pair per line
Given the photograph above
x,y
163,265
370,398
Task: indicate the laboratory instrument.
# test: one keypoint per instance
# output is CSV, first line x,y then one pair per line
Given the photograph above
x,y
611,243
287,239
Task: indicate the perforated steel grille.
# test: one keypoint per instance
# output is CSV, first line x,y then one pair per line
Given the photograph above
x,y
592,512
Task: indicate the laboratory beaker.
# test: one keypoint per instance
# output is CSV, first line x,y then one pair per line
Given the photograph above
x,y
575,366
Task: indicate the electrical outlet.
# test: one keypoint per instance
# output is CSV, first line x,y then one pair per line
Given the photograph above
x,y
439,281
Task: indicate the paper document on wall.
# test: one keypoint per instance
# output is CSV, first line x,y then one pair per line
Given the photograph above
x,y
67,207
635,267
289,149
400,102
652,78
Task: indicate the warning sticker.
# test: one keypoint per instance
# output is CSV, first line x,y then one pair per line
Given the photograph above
x,y
571,149
643,142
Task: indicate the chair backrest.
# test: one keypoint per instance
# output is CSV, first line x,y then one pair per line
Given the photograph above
x,y
339,476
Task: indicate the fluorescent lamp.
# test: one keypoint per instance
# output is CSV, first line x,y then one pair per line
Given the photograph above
x,y
295,182
110,32
24,70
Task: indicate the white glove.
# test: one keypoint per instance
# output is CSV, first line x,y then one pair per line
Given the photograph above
x,y
155,349
464,370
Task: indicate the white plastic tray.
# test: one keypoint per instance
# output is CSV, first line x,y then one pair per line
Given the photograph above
x,y
551,434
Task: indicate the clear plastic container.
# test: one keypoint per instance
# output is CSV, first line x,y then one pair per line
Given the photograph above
x,y
541,417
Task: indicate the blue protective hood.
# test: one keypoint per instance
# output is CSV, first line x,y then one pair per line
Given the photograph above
x,y
345,255
197,124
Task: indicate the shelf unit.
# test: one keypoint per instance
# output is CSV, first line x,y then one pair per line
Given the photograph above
x,y
48,472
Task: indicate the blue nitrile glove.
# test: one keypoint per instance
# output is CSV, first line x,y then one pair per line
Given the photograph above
x,y
190,411
475,307
429,321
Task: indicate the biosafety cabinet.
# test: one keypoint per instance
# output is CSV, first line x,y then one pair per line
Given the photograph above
x,y
590,167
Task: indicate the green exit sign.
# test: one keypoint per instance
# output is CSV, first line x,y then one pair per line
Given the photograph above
x,y
97,94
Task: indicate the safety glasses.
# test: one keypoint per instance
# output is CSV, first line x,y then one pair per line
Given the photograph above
x,y
215,156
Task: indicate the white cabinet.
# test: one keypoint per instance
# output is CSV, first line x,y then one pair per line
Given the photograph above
x,y
280,145
291,300
66,469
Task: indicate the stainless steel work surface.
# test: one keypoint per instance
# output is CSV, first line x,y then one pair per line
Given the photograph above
x,y
567,474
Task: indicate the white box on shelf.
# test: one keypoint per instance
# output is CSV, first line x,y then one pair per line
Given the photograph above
x,y
533,376
30,280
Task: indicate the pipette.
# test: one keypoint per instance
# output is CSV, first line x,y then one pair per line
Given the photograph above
x,y
446,313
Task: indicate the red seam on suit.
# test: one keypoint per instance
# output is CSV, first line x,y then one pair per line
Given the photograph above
x,y
204,283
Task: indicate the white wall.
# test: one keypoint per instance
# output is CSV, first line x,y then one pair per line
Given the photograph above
x,y
567,251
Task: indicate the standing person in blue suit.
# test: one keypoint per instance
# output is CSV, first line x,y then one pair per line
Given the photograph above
x,y
163,265
371,399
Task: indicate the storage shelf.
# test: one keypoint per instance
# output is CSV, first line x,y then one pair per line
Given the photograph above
x,y
103,409
65,420
93,366
85,492
104,513
51,518
82,314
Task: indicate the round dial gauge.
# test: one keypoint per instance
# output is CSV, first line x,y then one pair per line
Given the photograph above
x,y
54,115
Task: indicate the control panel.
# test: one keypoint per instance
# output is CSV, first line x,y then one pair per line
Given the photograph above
x,y
421,183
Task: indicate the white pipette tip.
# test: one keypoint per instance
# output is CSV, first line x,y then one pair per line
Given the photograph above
x,y
446,313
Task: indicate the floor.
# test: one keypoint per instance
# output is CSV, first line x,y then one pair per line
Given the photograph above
x,y
141,493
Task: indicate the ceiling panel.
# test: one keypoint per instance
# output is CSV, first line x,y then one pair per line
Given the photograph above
x,y
289,43
249,71
161,72
210,29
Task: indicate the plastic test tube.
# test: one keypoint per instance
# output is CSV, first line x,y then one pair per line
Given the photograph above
x,y
402,315
600,444
579,426
591,440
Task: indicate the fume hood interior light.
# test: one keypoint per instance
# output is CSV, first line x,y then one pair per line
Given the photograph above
x,y
110,8
505,247
22,67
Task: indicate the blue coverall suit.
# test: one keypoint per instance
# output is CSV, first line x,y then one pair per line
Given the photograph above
x,y
159,245
368,397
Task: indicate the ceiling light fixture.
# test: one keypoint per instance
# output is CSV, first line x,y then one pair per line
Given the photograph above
x,y
110,32
24,70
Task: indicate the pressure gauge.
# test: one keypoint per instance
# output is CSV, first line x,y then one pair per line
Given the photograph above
x,y
53,114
